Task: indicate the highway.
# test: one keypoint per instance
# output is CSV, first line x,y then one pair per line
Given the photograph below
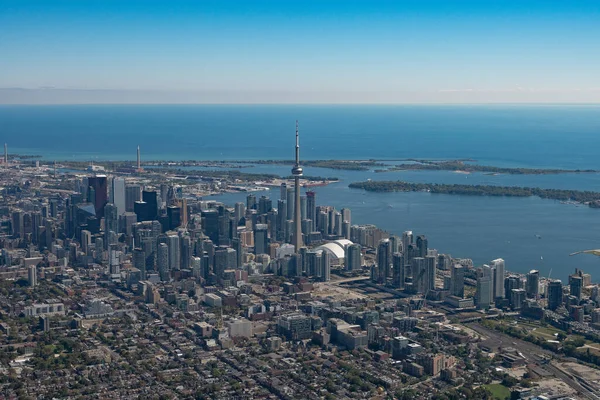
x,y
534,353
347,280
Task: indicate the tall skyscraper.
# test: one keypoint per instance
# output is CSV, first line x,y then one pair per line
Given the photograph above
x,y
510,283
236,244
346,229
283,191
17,224
111,223
407,239
184,213
311,209
485,287
576,285
240,211
151,199
99,184
532,286
225,258
303,201
32,275
113,259
264,205
251,202
139,261
353,257
133,193
162,261
297,173
347,215
430,273
326,262
36,223
399,270
555,294
337,224
498,268
260,239
457,285
173,217
517,297
117,194
422,245
186,251
290,203
395,243
384,260
174,252
418,268
281,219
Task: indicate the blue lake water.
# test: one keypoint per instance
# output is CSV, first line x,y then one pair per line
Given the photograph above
x,y
482,228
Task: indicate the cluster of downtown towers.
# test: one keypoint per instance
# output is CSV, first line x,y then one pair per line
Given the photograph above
x,y
175,237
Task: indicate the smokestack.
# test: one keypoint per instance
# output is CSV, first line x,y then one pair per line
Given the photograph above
x,y
139,162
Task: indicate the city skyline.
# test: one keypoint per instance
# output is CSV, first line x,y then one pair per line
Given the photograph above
x,y
421,248
308,52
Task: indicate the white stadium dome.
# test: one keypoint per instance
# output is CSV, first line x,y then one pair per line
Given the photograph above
x,y
336,250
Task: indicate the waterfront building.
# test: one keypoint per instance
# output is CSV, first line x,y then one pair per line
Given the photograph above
x,y
532,285
555,294
576,286
517,297
457,281
498,271
484,296
511,282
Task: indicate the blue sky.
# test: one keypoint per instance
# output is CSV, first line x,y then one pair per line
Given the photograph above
x,y
300,51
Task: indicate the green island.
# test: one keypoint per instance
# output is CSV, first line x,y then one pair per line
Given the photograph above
x,y
576,196
461,165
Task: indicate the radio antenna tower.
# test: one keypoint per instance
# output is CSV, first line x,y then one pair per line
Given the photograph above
x,y
297,173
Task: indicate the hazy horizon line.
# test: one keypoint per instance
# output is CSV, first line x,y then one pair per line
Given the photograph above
x,y
98,96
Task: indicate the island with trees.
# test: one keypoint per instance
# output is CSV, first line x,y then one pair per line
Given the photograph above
x,y
576,196
468,166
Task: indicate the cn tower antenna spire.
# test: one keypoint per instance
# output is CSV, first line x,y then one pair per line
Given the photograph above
x,y
297,146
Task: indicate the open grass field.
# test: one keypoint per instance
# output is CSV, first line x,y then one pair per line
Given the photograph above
x,y
499,391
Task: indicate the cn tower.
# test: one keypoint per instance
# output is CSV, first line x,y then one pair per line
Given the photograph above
x,y
297,172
